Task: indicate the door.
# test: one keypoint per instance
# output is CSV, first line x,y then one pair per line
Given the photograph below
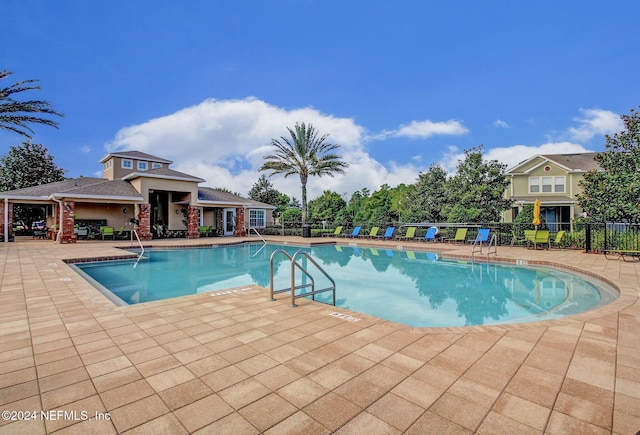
x,y
229,221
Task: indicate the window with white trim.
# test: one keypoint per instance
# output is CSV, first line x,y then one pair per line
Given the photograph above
x,y
143,166
127,164
156,165
256,219
546,184
108,164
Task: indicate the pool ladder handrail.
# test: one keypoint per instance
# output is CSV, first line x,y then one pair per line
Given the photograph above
x,y
493,242
294,287
141,248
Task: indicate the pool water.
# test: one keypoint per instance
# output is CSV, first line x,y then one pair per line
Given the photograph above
x,y
414,288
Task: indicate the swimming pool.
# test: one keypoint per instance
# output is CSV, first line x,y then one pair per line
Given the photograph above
x,y
414,288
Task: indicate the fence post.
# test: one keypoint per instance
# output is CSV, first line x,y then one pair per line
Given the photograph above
x,y
587,237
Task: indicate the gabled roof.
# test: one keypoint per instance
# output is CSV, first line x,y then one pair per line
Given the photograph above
x,y
83,187
138,155
209,195
165,173
577,162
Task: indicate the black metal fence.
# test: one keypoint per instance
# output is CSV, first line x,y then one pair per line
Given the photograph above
x,y
586,236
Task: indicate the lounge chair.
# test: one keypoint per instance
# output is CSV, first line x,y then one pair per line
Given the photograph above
x,y
461,236
121,233
373,233
431,234
202,230
541,238
354,233
336,233
410,234
388,233
107,232
622,254
558,239
483,235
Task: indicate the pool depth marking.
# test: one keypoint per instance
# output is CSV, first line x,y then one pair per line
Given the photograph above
x,y
227,292
344,317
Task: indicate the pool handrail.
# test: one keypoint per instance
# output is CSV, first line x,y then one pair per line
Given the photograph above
x,y
293,287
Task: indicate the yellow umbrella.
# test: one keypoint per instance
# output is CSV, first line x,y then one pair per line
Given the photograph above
x,y
536,212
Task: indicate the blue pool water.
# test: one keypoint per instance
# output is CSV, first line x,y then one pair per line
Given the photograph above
x,y
414,288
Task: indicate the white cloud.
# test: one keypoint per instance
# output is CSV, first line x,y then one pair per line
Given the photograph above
x,y
426,128
595,122
224,141
501,124
423,130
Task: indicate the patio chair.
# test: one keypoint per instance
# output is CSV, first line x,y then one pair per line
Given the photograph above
x,y
106,232
121,233
461,236
354,233
388,233
558,239
515,240
432,232
202,230
373,233
336,233
410,234
541,238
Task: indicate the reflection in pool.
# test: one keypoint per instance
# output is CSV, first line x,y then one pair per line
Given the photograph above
x,y
414,288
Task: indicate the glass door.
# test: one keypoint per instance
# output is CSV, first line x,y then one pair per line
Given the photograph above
x,y
229,221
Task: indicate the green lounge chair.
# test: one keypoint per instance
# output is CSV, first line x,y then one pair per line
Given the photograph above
x,y
202,230
541,238
557,241
373,233
107,232
410,234
461,236
336,233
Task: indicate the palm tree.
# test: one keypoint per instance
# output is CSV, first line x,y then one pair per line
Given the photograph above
x,y
305,154
17,115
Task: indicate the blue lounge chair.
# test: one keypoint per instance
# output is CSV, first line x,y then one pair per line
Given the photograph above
x,y
483,235
431,234
354,233
388,234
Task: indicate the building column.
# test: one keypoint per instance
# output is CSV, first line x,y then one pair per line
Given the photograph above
x,y
66,226
240,230
144,222
9,226
192,219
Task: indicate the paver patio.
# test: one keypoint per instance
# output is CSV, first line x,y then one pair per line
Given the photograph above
x,y
238,363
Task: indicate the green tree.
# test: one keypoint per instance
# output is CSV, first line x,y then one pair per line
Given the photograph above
x,y
400,201
16,115
427,199
378,206
306,154
356,208
227,190
264,191
476,192
26,166
326,207
612,193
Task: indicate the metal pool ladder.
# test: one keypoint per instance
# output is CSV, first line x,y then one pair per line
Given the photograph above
x,y
477,247
295,265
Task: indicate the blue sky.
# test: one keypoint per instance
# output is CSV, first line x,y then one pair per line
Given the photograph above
x,y
399,85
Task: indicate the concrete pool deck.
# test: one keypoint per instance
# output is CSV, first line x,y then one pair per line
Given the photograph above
x,y
238,363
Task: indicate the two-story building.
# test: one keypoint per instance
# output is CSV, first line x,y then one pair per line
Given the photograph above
x,y
554,180
139,186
